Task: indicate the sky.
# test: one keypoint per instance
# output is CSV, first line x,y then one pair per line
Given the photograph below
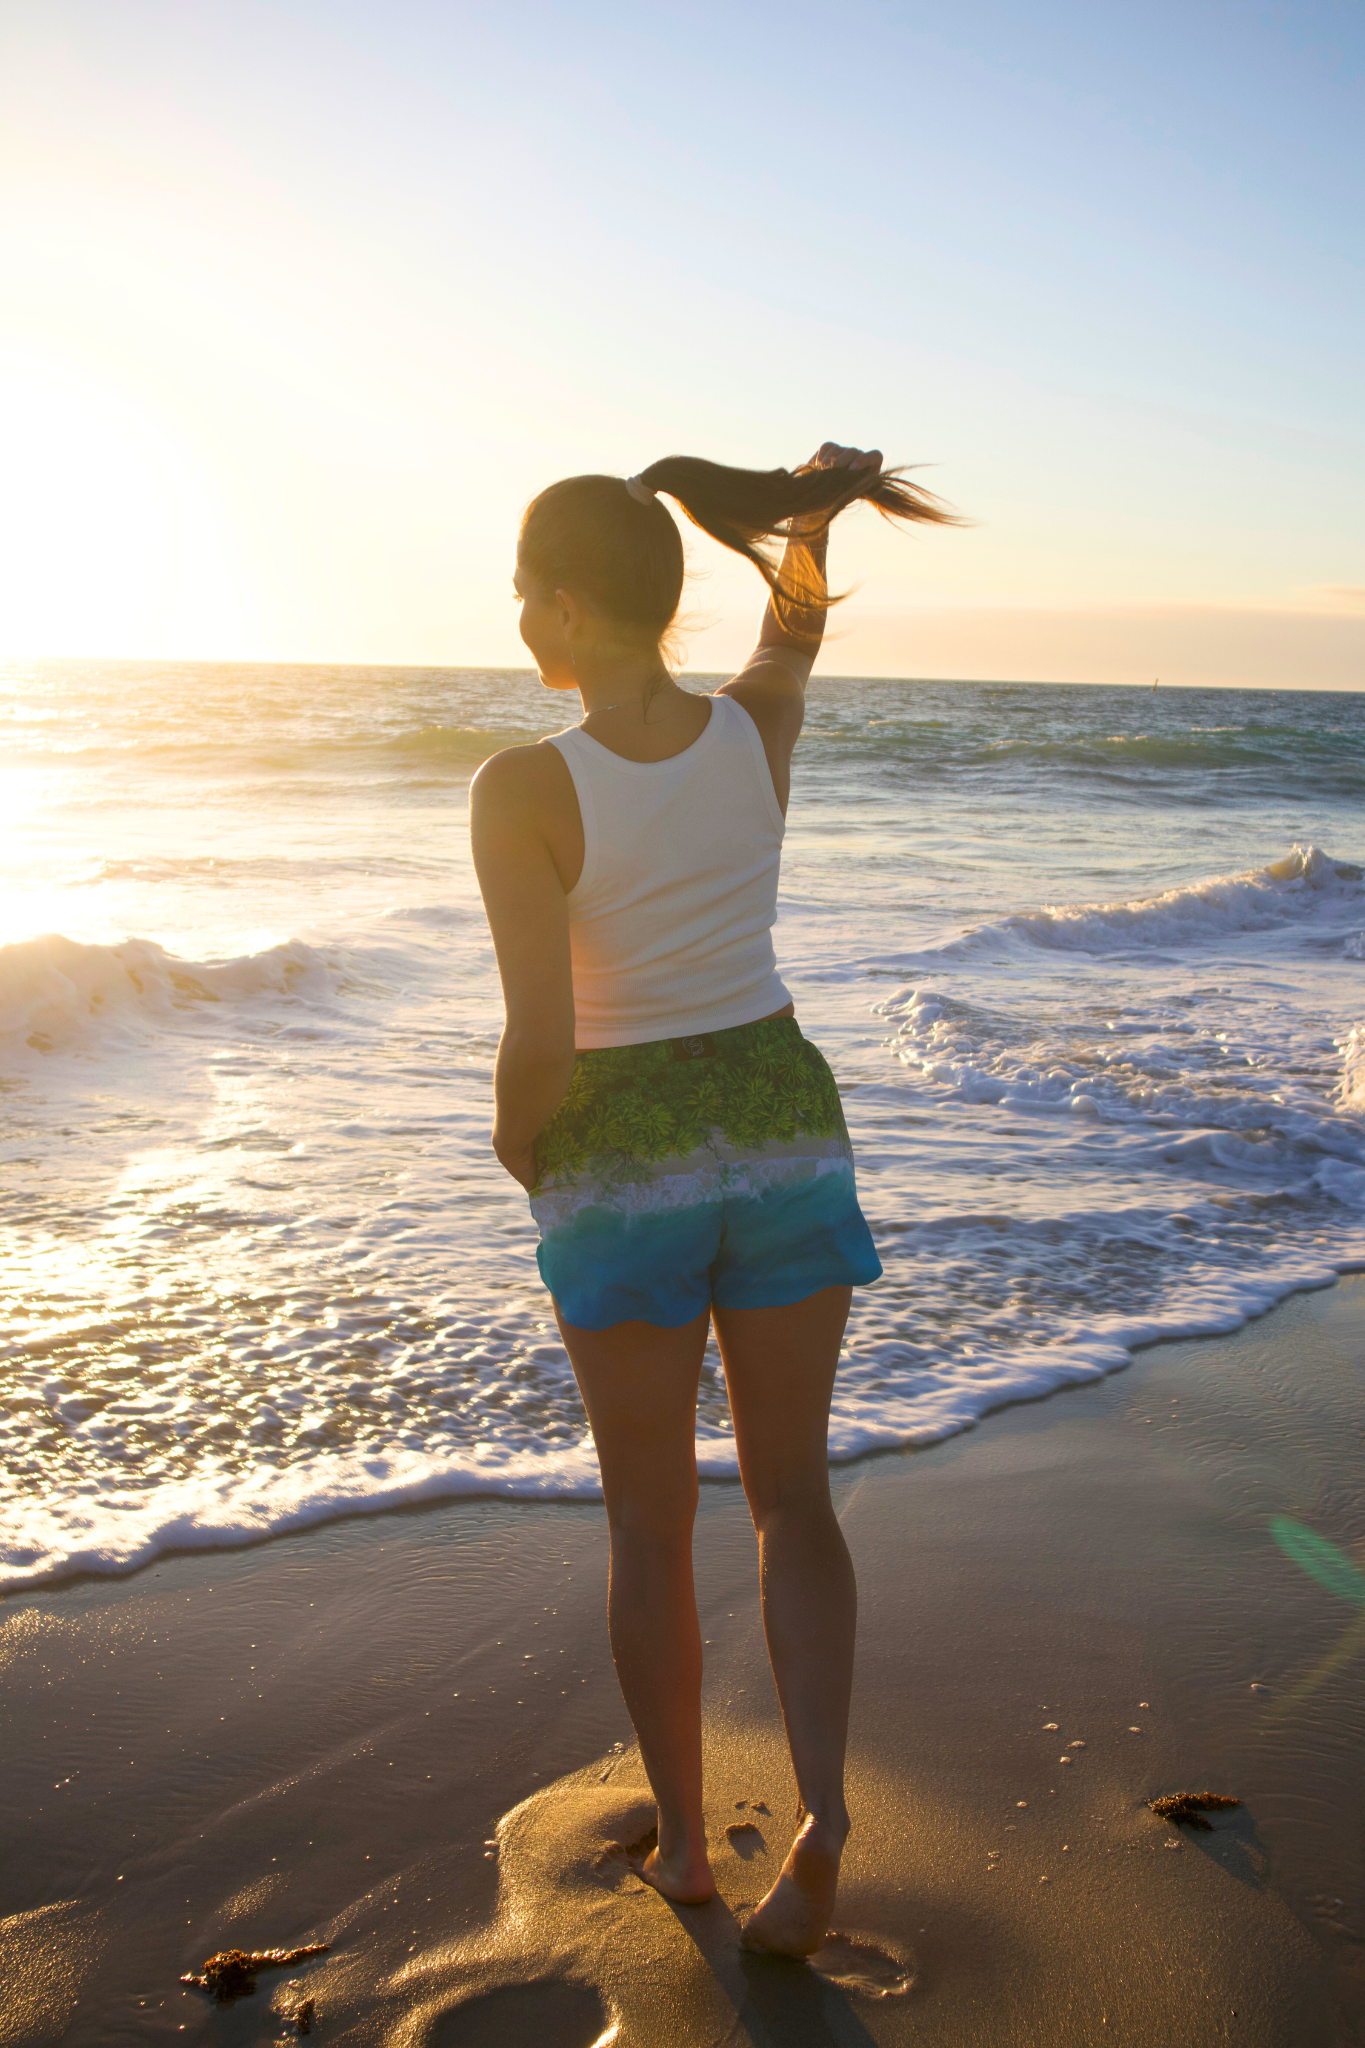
x,y
300,303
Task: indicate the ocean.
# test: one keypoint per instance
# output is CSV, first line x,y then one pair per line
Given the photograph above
x,y
1088,963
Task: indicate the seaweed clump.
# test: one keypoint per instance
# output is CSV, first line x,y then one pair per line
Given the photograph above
x,y
232,1972
1187,1809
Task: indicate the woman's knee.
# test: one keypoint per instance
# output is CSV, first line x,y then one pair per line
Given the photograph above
x,y
797,1497
660,1516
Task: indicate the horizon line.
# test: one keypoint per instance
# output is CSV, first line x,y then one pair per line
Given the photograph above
x,y
507,669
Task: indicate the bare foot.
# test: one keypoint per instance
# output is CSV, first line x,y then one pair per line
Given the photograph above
x,y
794,1917
684,1877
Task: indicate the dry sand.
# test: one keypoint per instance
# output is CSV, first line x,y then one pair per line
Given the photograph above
x,y
402,1736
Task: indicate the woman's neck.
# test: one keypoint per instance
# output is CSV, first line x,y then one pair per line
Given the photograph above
x,y
638,684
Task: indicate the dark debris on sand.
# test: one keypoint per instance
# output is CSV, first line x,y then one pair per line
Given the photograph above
x,y
1187,1809
305,2015
232,1972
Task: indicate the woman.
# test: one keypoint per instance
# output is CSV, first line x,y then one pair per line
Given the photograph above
x,y
682,1143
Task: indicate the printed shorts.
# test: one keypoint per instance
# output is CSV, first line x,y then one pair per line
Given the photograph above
x,y
698,1170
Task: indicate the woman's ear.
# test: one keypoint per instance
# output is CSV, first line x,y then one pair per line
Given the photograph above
x,y
570,614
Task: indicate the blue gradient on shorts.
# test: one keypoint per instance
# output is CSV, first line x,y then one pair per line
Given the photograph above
x,y
667,1266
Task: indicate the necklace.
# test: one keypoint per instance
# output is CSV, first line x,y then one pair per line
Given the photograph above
x,y
620,704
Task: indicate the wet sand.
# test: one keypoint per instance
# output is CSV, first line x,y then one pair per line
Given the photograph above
x,y
402,1736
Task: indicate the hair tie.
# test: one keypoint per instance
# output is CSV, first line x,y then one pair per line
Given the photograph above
x,y
642,492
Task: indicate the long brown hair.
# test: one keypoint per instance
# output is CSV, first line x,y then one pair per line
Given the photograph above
x,y
590,534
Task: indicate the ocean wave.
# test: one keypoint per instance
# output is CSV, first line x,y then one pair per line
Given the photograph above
x,y
227,871
457,746
1190,1087
56,992
1184,1078
431,916
1306,887
118,1532
340,752
1209,749
1232,750
1162,762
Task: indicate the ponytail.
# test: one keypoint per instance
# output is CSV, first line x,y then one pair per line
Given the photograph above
x,y
593,534
741,507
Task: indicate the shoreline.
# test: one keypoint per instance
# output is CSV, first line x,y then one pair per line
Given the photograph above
x,y
574,1477
316,1738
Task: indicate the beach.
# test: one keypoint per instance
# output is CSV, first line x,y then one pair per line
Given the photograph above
x,y
400,1735
302,1555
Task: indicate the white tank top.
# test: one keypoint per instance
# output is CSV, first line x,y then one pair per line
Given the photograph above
x,y
670,922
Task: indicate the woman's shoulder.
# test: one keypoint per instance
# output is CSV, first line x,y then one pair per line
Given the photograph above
x,y
521,776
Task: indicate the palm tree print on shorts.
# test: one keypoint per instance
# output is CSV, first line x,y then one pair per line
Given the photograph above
x,y
758,1085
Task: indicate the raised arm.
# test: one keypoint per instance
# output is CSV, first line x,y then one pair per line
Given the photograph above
x,y
772,683
529,918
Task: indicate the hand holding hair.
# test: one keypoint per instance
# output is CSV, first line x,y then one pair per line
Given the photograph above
x,y
741,508
830,455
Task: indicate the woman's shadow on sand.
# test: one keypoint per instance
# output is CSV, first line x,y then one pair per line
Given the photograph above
x,y
774,1998
581,1950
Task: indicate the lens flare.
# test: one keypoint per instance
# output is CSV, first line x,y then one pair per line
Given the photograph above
x,y
1335,1572
1331,1568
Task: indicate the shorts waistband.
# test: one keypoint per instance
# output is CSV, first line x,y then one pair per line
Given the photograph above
x,y
735,1039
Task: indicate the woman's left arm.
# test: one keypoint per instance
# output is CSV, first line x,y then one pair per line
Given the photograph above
x,y
528,916
771,686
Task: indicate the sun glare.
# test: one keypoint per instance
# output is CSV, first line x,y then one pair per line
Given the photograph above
x,y
107,522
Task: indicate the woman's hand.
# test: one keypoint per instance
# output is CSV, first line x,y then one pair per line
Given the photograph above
x,y
830,455
520,1163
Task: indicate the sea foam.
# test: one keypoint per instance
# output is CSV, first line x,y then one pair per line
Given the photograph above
x,y
261,1266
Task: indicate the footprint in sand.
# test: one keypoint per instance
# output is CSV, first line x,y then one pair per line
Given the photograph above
x,y
856,1964
746,1839
613,1860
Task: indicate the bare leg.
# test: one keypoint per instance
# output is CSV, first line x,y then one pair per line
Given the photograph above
x,y
779,1367
639,1386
